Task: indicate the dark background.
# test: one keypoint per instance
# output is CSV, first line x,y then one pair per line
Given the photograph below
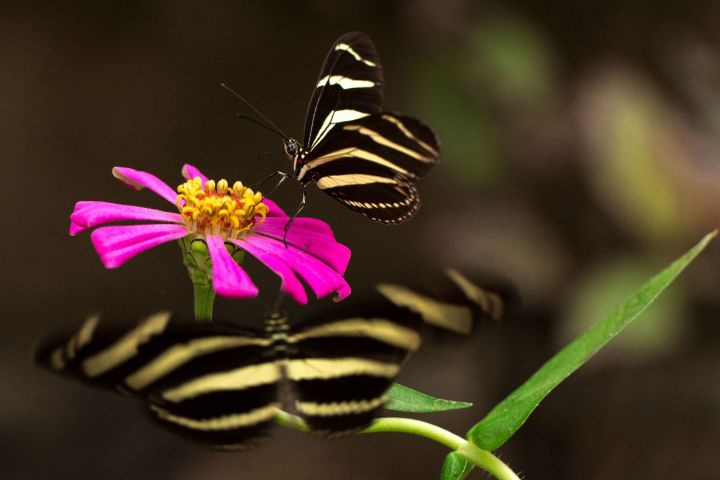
x,y
580,145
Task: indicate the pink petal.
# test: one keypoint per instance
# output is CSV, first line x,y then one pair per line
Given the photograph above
x,y
190,171
139,180
229,280
310,225
273,209
75,229
343,293
118,244
322,279
90,214
309,235
289,284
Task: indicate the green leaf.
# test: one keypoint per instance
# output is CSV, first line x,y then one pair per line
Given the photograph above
x,y
404,399
509,415
455,467
606,286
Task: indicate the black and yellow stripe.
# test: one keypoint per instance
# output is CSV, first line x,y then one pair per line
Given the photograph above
x,y
222,384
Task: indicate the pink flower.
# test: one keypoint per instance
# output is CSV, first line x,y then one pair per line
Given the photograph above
x,y
219,213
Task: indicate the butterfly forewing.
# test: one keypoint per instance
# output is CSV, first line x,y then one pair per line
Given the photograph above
x,y
349,86
204,381
457,302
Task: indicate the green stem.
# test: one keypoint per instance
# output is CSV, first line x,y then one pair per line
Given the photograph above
x,y
417,427
488,462
197,261
204,296
479,457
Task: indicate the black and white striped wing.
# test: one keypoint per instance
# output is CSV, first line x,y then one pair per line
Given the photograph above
x,y
349,87
210,382
371,165
221,385
457,305
340,371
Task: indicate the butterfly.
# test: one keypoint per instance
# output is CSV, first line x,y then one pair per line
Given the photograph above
x,y
222,384
366,158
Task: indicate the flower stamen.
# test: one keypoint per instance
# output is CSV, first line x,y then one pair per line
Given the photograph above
x,y
218,209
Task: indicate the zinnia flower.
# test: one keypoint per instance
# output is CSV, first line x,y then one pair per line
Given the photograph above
x,y
218,214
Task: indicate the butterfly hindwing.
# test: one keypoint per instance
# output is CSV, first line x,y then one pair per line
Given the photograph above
x,y
349,86
340,370
371,165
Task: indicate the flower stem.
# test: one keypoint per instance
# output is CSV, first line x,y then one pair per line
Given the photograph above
x,y
479,457
197,262
204,296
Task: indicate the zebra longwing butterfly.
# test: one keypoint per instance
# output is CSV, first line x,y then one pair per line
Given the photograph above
x,y
221,384
364,157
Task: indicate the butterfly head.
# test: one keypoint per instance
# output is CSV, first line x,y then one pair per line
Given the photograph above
x,y
293,148
295,152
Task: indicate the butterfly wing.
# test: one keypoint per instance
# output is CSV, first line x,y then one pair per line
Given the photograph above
x,y
342,364
207,381
455,304
341,370
349,87
371,165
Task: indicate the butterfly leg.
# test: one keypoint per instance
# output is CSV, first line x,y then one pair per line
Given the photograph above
x,y
259,161
283,177
303,202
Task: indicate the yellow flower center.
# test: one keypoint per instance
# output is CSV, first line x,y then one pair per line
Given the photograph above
x,y
218,209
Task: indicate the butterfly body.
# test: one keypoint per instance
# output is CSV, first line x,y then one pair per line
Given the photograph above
x,y
366,158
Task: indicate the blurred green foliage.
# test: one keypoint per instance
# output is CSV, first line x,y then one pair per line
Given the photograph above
x,y
508,61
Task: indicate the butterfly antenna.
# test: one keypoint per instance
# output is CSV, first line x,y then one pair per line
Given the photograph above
x,y
256,122
271,126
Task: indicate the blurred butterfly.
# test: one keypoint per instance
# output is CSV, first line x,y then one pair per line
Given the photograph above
x,y
222,384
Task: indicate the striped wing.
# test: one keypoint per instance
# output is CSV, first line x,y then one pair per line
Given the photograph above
x,y
221,385
456,308
340,371
343,364
371,165
209,382
349,87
